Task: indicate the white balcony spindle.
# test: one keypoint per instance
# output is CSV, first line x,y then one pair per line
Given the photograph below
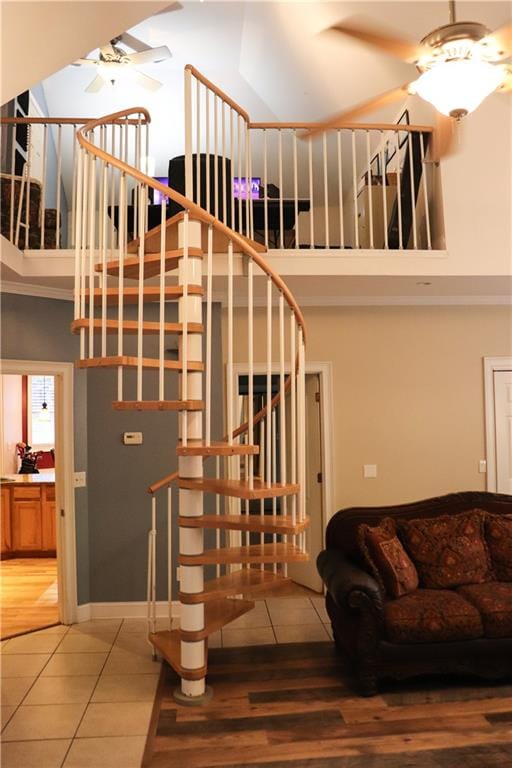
x,y
424,176
161,304
413,189
384,191
229,371
295,189
326,191
340,188
354,189
58,184
311,203
268,451
120,282
209,283
370,186
280,167
250,348
399,190
265,185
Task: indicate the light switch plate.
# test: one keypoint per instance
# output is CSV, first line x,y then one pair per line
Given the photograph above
x,y
369,470
482,466
79,479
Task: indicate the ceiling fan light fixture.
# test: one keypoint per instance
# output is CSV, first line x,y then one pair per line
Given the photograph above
x,y
458,87
113,72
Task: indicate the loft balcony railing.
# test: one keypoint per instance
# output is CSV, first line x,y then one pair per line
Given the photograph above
x,y
357,186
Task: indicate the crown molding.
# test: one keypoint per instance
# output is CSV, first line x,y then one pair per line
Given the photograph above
x,y
41,291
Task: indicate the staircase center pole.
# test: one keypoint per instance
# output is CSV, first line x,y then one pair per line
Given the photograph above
x,y
193,654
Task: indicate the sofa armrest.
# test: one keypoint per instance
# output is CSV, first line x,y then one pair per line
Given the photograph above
x,y
348,585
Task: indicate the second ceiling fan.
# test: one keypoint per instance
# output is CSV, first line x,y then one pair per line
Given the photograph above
x,y
460,64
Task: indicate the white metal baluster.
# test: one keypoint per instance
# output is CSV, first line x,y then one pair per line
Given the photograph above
x,y
354,185
223,146
140,294
197,195
265,183
217,512
302,432
262,475
311,205
251,201
340,188
184,327
169,554
103,252
58,184
399,191
13,168
209,283
136,190
274,478
120,283
250,346
146,171
232,158
207,149
230,344
370,189
153,565
151,628
269,383
282,414
161,325
293,412
413,191
28,169
74,186
247,183
92,239
425,192
215,157
112,238
295,190
384,190
42,206
78,242
326,192
239,158
280,166
83,247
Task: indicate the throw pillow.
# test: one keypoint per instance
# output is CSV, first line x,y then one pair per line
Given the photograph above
x,y
498,534
449,550
387,559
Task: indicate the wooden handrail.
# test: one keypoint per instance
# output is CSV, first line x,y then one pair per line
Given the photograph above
x,y
212,87
193,209
349,126
71,120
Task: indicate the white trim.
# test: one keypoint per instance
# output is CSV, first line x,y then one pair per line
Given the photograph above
x,y
64,469
376,301
324,372
491,365
43,291
125,610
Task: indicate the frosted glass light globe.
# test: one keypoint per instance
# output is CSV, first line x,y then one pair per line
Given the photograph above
x,y
456,88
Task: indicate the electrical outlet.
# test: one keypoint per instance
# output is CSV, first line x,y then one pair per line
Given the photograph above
x,y
79,479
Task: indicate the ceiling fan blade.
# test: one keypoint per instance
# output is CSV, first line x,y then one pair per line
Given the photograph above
x,y
133,42
507,84
95,85
147,82
503,37
386,98
443,138
152,56
394,46
170,8
79,62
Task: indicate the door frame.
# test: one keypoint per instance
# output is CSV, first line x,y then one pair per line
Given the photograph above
x,y
64,470
491,366
324,372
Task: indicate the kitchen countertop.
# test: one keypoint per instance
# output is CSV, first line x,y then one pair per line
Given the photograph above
x,y
38,479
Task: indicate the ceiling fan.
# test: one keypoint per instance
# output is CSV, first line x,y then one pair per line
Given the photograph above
x,y
460,64
115,62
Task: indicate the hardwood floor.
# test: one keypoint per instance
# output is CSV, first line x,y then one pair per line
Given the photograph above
x,y
28,592
293,705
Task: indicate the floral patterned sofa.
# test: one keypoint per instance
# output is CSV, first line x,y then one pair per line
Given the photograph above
x,y
11,188
422,588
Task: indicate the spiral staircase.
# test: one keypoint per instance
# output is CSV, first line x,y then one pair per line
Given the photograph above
x,y
258,482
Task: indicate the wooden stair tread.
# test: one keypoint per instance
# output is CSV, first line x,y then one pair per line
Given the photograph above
x,y
151,264
218,613
168,644
237,488
152,239
132,362
149,293
158,405
282,524
199,448
252,554
132,326
246,582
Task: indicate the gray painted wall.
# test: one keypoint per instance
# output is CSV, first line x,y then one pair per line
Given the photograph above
x,y
38,329
113,513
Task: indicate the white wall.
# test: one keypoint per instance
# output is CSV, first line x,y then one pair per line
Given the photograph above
x,y
11,421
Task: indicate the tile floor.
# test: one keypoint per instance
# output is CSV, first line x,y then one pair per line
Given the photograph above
x,y
81,696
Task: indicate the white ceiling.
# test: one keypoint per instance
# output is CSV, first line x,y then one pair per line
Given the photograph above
x,y
270,57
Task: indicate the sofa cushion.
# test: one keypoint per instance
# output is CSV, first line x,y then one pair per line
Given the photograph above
x,y
498,534
448,551
494,602
387,559
431,616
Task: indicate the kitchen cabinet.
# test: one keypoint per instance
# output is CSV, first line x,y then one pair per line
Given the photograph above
x,y
5,533
28,517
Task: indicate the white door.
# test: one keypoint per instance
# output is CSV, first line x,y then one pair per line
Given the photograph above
x,y
503,422
306,573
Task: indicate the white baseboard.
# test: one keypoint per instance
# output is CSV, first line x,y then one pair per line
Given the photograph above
x,y
128,610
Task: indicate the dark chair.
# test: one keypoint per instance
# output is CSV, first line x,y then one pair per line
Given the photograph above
x,y
219,179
